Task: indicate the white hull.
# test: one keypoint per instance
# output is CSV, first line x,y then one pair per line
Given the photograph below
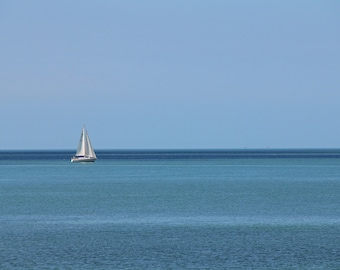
x,y
83,159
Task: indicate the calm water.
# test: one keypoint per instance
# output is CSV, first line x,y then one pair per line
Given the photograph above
x,y
171,210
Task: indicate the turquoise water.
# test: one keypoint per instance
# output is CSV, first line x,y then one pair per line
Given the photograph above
x,y
237,209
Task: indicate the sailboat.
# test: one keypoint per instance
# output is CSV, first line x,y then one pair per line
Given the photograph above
x,y
85,152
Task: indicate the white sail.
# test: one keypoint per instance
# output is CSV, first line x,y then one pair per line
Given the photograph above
x,y
81,146
88,147
85,150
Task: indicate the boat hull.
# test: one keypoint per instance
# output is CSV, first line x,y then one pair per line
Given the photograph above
x,y
83,159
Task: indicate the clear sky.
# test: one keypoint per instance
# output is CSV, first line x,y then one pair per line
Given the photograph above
x,y
170,74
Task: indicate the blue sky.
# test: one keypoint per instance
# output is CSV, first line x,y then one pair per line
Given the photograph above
x,y
170,74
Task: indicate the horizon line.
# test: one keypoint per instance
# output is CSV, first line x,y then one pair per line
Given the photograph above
x,y
175,149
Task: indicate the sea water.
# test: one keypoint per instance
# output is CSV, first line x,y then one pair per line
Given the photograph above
x,y
232,209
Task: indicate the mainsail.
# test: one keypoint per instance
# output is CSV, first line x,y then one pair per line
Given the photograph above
x,y
85,150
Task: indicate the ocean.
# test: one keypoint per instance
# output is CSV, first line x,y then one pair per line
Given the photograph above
x,y
180,209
